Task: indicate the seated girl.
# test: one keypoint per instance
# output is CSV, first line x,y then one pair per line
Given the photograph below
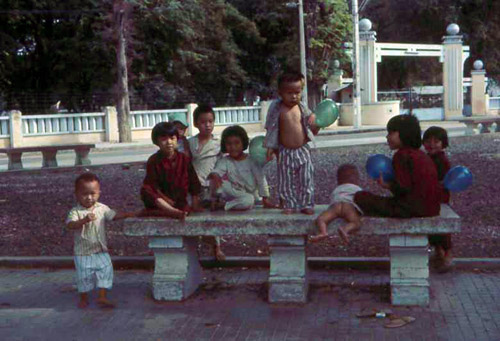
x,y
237,181
415,187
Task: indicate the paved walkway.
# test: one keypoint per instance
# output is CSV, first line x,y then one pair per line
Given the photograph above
x,y
112,153
41,305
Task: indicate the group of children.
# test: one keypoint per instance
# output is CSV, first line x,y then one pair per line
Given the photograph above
x,y
190,175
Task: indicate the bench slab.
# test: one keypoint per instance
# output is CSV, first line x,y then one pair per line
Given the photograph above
x,y
481,124
177,272
49,154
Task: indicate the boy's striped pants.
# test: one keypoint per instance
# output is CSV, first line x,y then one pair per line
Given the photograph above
x,y
296,177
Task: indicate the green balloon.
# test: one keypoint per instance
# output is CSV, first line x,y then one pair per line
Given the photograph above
x,y
257,150
326,112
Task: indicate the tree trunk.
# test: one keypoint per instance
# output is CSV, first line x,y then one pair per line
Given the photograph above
x,y
123,103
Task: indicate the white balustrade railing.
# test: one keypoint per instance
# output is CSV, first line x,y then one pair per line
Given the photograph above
x,y
494,102
237,115
4,126
63,124
147,119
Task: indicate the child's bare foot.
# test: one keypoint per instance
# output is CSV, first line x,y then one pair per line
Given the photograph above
x,y
343,235
104,303
288,211
219,255
318,237
84,301
308,211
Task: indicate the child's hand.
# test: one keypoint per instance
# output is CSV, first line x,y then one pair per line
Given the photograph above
x,y
90,217
270,154
268,204
311,120
216,180
382,183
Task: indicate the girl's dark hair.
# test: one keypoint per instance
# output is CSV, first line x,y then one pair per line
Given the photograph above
x,y
163,129
408,128
86,177
233,131
202,109
437,132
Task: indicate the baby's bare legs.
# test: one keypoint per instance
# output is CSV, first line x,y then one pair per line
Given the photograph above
x,y
323,220
351,215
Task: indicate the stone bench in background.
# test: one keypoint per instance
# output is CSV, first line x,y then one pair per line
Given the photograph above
x,y
49,154
481,124
178,273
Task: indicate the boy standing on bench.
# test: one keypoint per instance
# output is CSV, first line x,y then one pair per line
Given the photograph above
x,y
289,127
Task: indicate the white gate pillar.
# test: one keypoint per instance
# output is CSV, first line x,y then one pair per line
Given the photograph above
x,y
367,62
478,96
453,73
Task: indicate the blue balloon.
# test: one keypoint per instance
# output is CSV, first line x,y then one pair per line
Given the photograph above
x,y
380,163
459,178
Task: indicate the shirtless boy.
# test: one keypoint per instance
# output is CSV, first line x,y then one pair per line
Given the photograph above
x,y
289,127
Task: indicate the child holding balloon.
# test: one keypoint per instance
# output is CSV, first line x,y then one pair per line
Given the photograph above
x,y
289,127
236,179
435,140
342,205
415,186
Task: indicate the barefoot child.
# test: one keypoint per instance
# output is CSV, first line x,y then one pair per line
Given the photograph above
x,y
415,187
205,151
170,176
435,140
236,178
289,127
342,204
88,219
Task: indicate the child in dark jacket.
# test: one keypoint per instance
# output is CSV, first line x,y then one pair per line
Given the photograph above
x,y
415,187
435,141
170,176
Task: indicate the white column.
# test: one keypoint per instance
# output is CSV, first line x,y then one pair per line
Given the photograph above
x,y
453,73
478,96
16,128
368,66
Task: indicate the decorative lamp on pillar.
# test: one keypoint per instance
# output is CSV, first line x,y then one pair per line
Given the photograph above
x,y
478,65
452,29
365,25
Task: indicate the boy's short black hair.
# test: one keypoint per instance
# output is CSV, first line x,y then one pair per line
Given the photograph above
x,y
290,77
346,172
234,131
437,132
409,130
86,177
202,109
163,129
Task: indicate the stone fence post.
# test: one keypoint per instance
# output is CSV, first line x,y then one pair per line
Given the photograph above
x,y
112,134
190,110
264,108
16,128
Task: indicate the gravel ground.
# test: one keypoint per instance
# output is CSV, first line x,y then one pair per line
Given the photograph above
x,y
33,205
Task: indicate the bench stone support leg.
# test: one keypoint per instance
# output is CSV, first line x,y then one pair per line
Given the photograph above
x,y
15,160
177,271
288,281
409,270
82,157
49,158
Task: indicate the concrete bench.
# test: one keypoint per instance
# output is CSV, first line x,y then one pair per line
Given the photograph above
x,y
177,272
49,154
481,124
